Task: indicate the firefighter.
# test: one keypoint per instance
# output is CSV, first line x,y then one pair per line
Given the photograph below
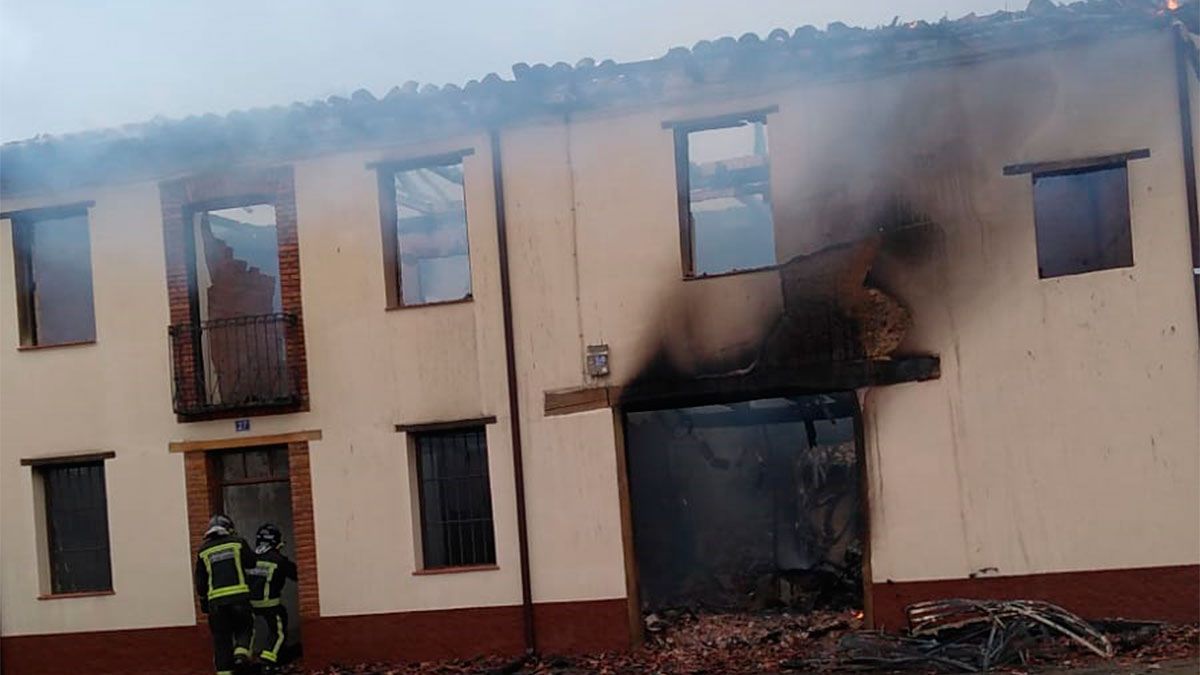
x,y
266,588
222,568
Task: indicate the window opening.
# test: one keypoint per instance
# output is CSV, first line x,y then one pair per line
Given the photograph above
x,y
77,527
54,278
455,498
426,252
1082,222
240,330
725,203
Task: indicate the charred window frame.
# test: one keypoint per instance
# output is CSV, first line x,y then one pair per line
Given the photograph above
x,y
1081,213
453,497
687,191
52,249
423,173
73,512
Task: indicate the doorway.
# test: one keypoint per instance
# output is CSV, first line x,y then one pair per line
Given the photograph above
x,y
237,305
748,505
255,488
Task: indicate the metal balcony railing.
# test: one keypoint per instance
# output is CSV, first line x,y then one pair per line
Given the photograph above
x,y
233,364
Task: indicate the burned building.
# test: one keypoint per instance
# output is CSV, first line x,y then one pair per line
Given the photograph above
x,y
810,318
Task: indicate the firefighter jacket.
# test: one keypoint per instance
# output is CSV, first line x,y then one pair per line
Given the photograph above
x,y
222,568
267,579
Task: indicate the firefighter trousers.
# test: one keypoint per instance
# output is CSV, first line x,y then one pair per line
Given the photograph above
x,y
277,620
231,625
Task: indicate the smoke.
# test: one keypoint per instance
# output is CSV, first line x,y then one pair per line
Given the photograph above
x,y
71,65
867,184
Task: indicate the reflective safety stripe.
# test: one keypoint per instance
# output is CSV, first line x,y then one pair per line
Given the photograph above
x,y
279,638
269,657
224,672
236,550
266,600
228,590
241,651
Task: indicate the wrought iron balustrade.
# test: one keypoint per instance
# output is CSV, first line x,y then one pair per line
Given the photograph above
x,y
233,364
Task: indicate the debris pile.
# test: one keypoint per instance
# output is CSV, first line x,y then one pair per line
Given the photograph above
x,y
972,636
945,636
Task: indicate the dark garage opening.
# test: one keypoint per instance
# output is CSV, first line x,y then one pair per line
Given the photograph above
x,y
749,505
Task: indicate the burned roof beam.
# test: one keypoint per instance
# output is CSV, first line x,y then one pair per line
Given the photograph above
x,y
1069,165
719,121
811,379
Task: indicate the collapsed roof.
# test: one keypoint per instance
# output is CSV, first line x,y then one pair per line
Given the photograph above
x,y
169,147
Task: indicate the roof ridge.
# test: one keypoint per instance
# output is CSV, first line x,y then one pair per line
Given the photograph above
x,y
806,36
162,145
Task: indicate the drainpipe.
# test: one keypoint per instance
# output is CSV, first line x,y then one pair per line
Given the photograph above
x,y
1189,156
514,404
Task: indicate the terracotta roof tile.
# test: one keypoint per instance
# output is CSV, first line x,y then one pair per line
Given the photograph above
x,y
197,143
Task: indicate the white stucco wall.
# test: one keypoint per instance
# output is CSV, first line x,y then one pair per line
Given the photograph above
x,y
1063,434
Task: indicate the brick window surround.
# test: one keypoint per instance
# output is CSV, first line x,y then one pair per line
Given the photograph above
x,y
183,196
204,499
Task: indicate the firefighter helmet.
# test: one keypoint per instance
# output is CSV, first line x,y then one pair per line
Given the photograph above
x,y
268,537
220,524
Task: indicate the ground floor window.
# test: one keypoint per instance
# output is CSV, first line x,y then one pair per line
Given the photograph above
x,y
455,498
76,517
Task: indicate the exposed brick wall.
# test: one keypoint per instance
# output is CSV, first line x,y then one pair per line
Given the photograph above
x,y
305,546
179,197
202,502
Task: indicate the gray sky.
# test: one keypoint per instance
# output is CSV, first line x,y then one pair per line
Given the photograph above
x,y
68,65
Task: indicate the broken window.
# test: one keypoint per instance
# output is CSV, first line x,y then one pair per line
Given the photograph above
x,y
455,498
54,277
425,232
241,334
237,262
1082,220
725,199
76,527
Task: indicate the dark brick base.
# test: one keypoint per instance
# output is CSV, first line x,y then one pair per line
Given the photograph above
x,y
562,627
1157,593
183,650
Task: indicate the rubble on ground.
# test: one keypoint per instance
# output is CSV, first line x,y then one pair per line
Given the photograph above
x,y
772,642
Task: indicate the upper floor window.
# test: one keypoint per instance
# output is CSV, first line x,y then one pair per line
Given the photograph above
x,y
74,527
1082,221
424,217
1081,214
52,257
723,175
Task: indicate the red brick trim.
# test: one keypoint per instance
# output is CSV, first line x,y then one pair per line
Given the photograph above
x,y
582,627
414,636
1152,593
305,547
563,628
204,499
180,650
272,185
